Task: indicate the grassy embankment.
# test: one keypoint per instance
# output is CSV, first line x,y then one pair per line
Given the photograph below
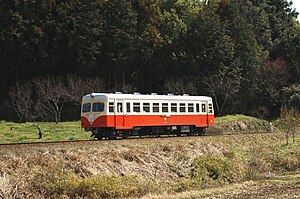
x,y
147,167
25,132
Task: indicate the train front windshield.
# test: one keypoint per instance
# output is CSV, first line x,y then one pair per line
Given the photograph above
x,y
86,107
94,107
98,107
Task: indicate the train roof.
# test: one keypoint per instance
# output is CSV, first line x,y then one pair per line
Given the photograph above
x,y
138,96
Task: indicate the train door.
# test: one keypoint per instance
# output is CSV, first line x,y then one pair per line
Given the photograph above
x,y
204,113
119,113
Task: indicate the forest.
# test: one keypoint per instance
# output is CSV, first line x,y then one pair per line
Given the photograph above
x,y
243,53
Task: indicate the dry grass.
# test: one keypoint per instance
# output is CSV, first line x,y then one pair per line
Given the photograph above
x,y
138,167
8,188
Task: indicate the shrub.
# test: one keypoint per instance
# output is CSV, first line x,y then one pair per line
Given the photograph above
x,y
256,164
207,169
99,186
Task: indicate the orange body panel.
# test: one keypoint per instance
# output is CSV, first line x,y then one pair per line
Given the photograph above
x,y
130,121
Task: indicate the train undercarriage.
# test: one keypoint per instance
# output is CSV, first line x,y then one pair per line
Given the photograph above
x,y
150,131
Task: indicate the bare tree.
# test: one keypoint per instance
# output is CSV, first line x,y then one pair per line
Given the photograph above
x,y
53,94
128,88
26,104
20,96
181,85
37,113
77,86
222,90
94,84
289,121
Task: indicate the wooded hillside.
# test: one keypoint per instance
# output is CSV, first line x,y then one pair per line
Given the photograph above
x,y
245,54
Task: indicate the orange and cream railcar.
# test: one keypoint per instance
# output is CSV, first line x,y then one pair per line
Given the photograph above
x,y
112,115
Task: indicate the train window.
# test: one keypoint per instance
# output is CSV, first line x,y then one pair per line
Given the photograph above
x,y
210,108
203,108
197,107
111,107
136,107
182,107
128,107
190,107
165,107
120,107
98,107
173,107
86,107
155,107
146,107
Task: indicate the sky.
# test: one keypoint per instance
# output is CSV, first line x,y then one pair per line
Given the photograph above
x,y
296,4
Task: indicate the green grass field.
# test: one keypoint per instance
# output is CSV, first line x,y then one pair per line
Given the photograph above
x,y
25,132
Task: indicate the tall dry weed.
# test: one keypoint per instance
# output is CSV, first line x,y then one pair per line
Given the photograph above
x,y
256,165
8,189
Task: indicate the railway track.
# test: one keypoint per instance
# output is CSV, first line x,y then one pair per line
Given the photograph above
x,y
84,142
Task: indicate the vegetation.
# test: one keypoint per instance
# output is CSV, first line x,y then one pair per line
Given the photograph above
x,y
135,168
26,132
11,132
245,54
289,122
143,167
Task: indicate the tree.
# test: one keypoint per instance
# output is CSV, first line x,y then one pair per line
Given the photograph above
x,y
76,87
26,104
21,96
291,96
214,59
148,41
119,41
289,122
86,34
53,95
223,89
247,50
182,85
285,34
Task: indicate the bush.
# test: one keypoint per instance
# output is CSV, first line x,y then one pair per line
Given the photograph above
x,y
99,186
214,168
256,165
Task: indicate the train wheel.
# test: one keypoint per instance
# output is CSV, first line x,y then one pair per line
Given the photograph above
x,y
192,130
98,137
201,131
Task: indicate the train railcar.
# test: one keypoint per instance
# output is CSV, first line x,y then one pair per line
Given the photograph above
x,y
111,115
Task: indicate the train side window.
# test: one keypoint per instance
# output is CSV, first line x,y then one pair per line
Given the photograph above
x,y
190,107
203,108
120,107
86,107
182,107
128,107
98,107
165,107
210,108
136,107
197,107
146,107
111,107
174,107
155,108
